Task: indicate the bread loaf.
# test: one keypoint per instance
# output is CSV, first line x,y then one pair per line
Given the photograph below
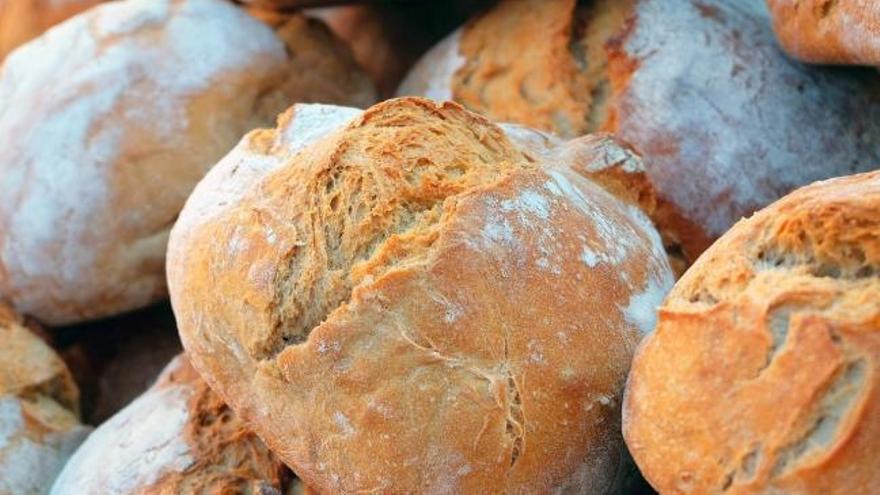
x,y
698,88
178,437
94,172
413,299
39,410
23,20
829,32
762,375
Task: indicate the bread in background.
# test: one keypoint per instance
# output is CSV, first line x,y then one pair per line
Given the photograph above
x,y
39,410
110,119
725,122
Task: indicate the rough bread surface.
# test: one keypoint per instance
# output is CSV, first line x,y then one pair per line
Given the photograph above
x,y
39,410
23,20
829,31
418,300
699,88
762,375
95,165
178,437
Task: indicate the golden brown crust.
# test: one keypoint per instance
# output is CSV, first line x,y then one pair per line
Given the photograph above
x,y
829,31
23,20
762,374
403,306
555,83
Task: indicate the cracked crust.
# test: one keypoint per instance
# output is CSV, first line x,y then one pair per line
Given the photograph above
x,y
417,300
699,88
39,410
24,20
94,173
762,374
178,437
829,31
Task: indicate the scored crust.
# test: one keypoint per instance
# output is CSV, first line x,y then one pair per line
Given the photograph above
x,y
762,375
829,31
178,437
39,410
698,88
413,302
155,91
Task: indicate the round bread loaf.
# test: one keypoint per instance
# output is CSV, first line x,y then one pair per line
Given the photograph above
x,y
95,165
178,437
762,375
39,410
828,31
413,299
700,89
23,20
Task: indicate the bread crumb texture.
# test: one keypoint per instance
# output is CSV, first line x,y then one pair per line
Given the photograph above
x,y
829,31
418,300
94,172
178,437
699,88
39,410
762,374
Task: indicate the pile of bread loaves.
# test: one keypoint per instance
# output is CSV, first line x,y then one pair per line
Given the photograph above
x,y
573,247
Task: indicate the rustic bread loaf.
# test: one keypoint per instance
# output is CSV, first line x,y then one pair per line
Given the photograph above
x,y
23,20
698,88
95,165
413,299
827,31
39,410
178,437
762,374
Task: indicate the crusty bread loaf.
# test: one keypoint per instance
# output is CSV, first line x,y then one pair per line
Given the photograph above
x,y
178,437
23,20
94,172
39,410
762,376
413,299
829,32
698,88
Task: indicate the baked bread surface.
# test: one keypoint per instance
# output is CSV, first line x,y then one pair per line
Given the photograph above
x,y
762,374
413,299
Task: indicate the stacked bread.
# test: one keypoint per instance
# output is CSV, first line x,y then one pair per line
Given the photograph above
x,y
428,296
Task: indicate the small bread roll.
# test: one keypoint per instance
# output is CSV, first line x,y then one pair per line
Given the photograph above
x,y
109,120
413,299
178,437
39,410
762,376
23,20
829,32
726,123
